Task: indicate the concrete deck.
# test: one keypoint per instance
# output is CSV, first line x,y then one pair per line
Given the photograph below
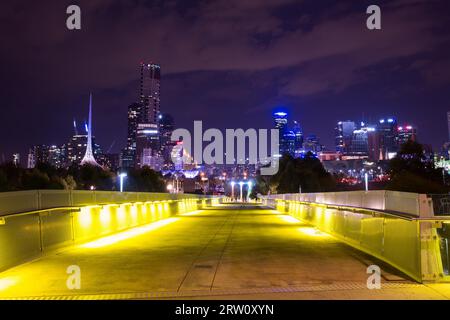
x,y
225,252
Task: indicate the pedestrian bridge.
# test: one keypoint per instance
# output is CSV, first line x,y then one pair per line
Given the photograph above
x,y
105,245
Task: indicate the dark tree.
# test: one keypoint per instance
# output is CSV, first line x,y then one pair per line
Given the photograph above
x,y
411,172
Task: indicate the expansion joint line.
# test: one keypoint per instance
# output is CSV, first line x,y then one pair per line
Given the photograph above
x,y
201,252
235,216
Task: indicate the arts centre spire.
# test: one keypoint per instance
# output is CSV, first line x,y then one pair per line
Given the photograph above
x,y
89,155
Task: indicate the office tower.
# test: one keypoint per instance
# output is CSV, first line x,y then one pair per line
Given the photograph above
x,y
147,144
287,137
374,151
134,118
127,159
281,120
406,133
53,155
344,135
166,126
150,91
360,140
110,161
57,156
37,154
31,161
312,144
298,141
388,132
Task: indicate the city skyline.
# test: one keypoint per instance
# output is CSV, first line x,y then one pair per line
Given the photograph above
x,y
367,78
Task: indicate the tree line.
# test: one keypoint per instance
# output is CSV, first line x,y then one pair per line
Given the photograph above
x,y
409,171
86,177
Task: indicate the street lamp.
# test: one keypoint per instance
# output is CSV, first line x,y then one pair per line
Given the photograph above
x,y
232,190
250,184
170,188
366,181
122,176
240,186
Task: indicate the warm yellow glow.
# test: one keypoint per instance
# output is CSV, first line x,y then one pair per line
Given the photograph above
x,y
121,215
288,219
134,213
85,217
5,283
190,213
313,232
109,240
105,216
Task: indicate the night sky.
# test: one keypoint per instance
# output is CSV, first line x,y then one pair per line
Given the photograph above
x,y
229,63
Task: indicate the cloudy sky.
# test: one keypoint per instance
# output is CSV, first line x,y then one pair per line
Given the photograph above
x,y
229,63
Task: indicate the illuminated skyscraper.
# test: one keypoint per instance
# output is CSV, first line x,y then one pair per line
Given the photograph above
x,y
344,135
388,142
406,133
150,91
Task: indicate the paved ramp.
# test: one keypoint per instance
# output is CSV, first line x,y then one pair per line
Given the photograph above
x,y
226,251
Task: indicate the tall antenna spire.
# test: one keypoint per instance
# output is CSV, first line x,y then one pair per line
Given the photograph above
x,y
75,126
89,155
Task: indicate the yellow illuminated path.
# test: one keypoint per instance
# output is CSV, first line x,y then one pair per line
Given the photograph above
x,y
227,251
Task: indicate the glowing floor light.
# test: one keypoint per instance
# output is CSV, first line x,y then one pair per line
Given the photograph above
x,y
289,219
109,240
193,213
313,232
5,283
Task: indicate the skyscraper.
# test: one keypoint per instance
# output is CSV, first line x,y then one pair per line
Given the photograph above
x,y
166,127
286,137
344,135
406,133
134,118
150,91
298,145
388,131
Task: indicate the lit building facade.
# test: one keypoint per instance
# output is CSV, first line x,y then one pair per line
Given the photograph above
x,y
150,89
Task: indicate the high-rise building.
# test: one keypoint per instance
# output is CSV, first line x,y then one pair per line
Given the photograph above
x,y
312,144
134,118
166,126
406,133
147,143
53,155
150,91
344,135
37,154
287,137
388,132
298,142
360,141
281,121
